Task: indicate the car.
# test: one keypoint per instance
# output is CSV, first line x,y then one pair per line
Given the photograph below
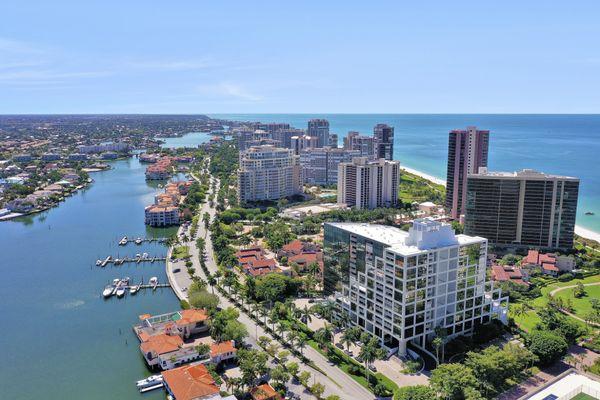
x,y
339,346
176,270
372,368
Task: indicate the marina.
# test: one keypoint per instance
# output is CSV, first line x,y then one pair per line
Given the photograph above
x,y
125,240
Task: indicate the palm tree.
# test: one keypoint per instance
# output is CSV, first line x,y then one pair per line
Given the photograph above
x,y
305,315
442,334
324,336
347,339
292,336
437,343
212,281
301,342
370,352
282,329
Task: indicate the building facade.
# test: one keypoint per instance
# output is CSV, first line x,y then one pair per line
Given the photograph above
x,y
467,152
364,144
268,173
320,129
383,135
319,166
400,286
299,143
525,208
365,184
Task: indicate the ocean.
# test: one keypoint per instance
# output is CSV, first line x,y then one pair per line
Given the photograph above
x,y
556,144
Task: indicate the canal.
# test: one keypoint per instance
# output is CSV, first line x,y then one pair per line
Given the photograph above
x,y
60,339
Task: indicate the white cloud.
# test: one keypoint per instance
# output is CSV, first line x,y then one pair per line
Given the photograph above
x,y
34,77
172,65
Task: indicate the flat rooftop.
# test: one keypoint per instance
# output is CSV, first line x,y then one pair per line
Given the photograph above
x,y
523,174
568,387
400,241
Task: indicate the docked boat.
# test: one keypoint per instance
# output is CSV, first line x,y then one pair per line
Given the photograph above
x,y
98,263
138,241
134,289
149,382
117,261
116,281
108,291
123,241
125,281
120,291
153,282
145,255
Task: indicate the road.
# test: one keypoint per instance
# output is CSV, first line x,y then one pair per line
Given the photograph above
x,y
336,381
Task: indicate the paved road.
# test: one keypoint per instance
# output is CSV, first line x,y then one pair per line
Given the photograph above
x,y
336,382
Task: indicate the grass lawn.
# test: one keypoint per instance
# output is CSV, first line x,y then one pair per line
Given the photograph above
x,y
582,305
414,188
181,252
530,319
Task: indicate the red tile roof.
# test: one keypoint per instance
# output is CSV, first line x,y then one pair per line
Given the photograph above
x,y
190,382
264,392
192,316
222,348
161,344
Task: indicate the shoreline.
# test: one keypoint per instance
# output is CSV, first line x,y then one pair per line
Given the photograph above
x,y
579,230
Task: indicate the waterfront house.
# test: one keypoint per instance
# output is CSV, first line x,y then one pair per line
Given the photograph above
x,y
191,382
157,215
184,323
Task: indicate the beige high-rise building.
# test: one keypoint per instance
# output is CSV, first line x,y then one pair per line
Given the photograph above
x,y
268,173
365,184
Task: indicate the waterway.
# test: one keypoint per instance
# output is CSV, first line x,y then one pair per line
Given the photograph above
x,y
60,339
556,144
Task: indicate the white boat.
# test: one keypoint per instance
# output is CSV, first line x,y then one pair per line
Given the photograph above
x,y
153,282
149,381
134,289
138,241
98,263
145,255
125,281
108,291
123,241
116,282
138,255
120,291
117,261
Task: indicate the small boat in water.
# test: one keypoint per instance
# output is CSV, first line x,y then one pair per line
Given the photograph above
x,y
145,255
125,281
108,291
120,291
138,241
149,382
134,289
123,241
98,263
153,282
589,213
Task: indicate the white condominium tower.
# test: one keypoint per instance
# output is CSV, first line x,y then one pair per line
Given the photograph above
x,y
365,184
268,173
400,286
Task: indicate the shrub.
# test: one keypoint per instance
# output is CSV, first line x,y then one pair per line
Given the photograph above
x,y
418,392
566,277
547,346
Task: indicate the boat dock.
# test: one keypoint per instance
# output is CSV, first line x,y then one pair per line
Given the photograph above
x,y
126,240
137,259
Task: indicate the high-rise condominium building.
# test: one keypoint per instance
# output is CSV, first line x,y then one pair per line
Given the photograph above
x,y
467,152
384,141
320,129
364,144
319,166
333,140
400,286
299,143
368,184
284,136
526,208
267,173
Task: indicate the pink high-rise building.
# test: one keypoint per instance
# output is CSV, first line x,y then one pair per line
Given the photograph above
x,y
467,152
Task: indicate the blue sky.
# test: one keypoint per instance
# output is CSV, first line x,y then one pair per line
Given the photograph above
x,y
305,56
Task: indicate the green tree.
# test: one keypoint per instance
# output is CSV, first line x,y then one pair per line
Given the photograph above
x,y
304,378
202,349
369,352
547,346
280,376
293,368
317,389
418,392
205,300
452,380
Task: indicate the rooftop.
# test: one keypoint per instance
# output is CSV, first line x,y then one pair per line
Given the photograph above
x,y
529,174
190,382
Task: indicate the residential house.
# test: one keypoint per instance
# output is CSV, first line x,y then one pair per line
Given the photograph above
x,y
550,263
265,392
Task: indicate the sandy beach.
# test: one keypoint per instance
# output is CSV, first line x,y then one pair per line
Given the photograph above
x,y
583,232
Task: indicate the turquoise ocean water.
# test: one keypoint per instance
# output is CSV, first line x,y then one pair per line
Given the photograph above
x,y
558,144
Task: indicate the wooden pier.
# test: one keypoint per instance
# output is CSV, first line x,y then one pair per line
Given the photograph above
x,y
119,261
126,240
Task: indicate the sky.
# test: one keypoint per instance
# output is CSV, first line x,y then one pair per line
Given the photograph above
x,y
327,56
